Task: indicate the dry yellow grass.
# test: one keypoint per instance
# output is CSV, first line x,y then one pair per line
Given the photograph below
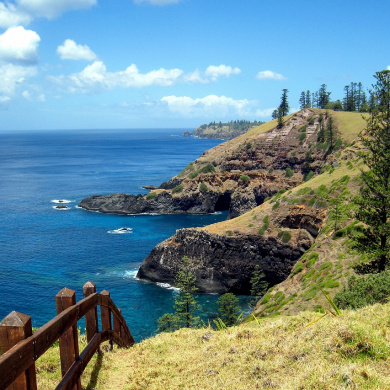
x,y
347,352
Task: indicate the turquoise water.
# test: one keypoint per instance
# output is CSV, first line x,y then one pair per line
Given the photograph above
x,y
43,249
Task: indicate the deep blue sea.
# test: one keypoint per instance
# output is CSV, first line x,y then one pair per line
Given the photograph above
x,y
43,249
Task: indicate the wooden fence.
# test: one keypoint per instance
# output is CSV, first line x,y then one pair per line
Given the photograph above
x,y
20,348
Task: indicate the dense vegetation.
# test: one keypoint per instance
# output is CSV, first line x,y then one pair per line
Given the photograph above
x,y
224,130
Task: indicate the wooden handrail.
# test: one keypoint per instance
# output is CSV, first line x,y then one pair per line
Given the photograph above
x,y
23,355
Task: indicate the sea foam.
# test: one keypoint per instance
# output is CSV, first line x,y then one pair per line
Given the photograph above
x,y
122,230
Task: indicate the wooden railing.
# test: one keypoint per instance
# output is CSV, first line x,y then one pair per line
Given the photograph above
x,y
20,348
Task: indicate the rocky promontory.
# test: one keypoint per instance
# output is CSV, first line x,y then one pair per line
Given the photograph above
x,y
225,262
236,176
202,195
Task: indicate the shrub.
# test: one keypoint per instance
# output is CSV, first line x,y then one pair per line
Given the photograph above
x,y
304,191
192,175
203,188
298,268
308,176
177,189
275,206
364,291
285,236
289,172
245,178
151,195
209,168
262,230
312,259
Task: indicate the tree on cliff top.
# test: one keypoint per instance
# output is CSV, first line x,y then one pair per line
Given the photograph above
x,y
374,199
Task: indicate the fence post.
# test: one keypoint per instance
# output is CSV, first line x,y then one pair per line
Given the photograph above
x,y
69,345
14,328
91,319
105,313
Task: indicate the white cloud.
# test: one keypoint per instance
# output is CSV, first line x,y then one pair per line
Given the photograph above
x,y
156,2
11,16
70,50
269,75
13,75
95,77
211,104
13,13
265,113
388,68
18,45
222,70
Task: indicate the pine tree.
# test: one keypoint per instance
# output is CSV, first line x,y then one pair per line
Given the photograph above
x,y
330,133
321,131
323,96
302,100
374,200
259,284
284,107
185,302
308,99
229,308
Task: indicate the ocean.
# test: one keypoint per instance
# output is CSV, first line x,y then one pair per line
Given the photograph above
x,y
44,249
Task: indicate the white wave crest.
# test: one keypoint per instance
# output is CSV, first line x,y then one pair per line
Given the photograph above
x,y
122,230
62,201
167,286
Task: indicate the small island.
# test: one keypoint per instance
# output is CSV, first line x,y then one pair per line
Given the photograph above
x,y
222,130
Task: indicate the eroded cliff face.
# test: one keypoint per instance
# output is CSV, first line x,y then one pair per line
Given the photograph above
x,y
225,262
236,175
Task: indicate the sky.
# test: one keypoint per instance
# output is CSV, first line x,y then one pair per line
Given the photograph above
x,y
108,64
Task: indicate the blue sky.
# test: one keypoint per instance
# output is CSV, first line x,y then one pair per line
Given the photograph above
x,y
86,64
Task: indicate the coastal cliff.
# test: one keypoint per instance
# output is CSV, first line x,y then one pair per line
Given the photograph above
x,y
280,187
225,262
236,175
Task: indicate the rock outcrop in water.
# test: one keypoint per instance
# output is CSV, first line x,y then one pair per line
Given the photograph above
x,y
223,192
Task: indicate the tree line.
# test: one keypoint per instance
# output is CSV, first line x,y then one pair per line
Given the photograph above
x,y
355,99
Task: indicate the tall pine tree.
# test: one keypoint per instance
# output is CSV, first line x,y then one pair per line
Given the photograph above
x,y
185,304
284,107
374,199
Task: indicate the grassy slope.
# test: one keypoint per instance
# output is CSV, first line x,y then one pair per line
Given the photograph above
x,y
327,264
351,351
